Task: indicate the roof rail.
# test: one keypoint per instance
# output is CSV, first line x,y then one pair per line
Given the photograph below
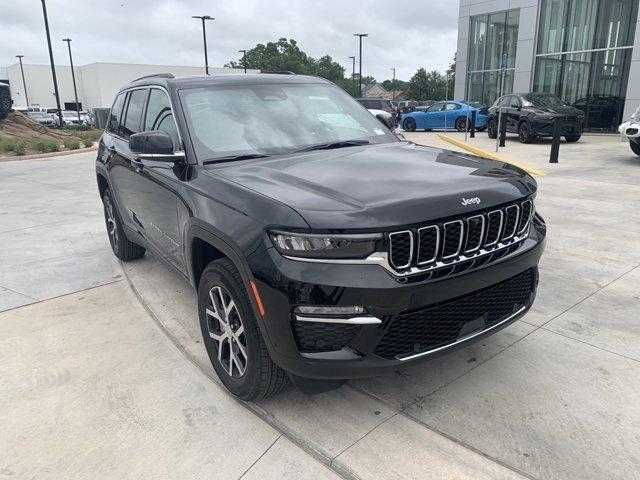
x,y
156,75
281,72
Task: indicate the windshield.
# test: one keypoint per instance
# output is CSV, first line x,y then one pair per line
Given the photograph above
x,y
544,100
37,114
271,119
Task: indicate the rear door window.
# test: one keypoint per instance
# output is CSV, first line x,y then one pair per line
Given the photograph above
x,y
135,107
115,115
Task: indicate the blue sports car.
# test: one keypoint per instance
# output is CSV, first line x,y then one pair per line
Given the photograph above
x,y
453,113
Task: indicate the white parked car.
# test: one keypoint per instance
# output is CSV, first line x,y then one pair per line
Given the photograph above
x,y
389,119
631,130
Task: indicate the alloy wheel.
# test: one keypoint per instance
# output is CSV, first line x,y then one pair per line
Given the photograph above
x,y
112,228
227,331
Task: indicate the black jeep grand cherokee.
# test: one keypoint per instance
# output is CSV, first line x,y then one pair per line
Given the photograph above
x,y
321,246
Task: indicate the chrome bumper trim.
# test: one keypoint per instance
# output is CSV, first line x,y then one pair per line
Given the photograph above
x,y
364,320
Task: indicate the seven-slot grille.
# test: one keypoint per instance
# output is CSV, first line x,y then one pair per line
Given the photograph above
x,y
459,239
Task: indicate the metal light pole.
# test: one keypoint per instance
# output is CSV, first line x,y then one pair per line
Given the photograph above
x,y
360,35
53,68
73,77
393,92
24,84
204,38
353,74
244,59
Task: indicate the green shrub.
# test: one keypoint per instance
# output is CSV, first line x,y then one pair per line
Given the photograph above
x,y
45,146
20,147
92,135
77,128
7,145
87,142
72,144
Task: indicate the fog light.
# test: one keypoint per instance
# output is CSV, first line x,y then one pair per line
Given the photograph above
x,y
324,310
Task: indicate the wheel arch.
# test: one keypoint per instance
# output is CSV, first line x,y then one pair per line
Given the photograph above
x,y
103,183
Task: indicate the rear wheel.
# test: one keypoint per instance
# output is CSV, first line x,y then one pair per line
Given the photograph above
x,y
232,337
409,125
572,138
461,124
492,128
524,133
122,247
635,146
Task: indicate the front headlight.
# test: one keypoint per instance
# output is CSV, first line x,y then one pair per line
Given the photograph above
x,y
323,246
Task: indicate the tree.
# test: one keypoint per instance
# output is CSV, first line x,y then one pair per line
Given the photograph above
x,y
426,86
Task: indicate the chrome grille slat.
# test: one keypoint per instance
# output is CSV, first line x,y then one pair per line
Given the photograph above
x,y
459,243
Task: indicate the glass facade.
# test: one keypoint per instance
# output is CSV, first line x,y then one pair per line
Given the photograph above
x,y
584,51
492,45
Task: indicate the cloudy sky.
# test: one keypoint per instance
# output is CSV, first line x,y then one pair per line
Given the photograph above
x,y
405,34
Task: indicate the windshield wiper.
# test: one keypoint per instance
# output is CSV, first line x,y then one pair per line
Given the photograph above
x,y
233,158
331,145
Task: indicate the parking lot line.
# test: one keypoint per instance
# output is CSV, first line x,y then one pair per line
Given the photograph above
x,y
489,155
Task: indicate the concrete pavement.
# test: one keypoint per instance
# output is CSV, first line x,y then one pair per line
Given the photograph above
x,y
556,395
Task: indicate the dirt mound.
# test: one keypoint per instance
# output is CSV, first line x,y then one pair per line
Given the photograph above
x,y
19,126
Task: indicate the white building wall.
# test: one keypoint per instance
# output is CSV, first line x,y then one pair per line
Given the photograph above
x,y
97,83
633,89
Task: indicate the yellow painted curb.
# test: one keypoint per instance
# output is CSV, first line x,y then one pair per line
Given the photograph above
x,y
490,155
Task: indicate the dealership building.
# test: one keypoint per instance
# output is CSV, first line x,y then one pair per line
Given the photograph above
x,y
585,51
97,83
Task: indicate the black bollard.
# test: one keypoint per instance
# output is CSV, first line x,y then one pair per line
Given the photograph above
x,y
555,144
503,130
473,124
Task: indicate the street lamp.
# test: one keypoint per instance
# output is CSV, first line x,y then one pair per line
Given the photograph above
x,y
204,38
244,59
353,74
24,84
360,35
73,77
53,68
393,92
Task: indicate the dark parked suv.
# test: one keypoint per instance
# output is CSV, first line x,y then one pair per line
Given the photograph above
x,y
321,246
532,115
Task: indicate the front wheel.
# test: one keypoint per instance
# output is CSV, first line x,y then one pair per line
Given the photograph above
x,y
635,146
409,125
232,337
492,128
524,133
572,138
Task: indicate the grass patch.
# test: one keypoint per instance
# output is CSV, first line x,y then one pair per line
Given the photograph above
x,y
92,135
72,144
7,145
20,147
45,146
77,128
87,142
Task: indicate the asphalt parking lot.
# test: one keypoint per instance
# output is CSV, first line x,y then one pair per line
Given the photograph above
x,y
103,374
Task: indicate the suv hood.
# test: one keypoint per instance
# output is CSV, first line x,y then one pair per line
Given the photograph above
x,y
380,186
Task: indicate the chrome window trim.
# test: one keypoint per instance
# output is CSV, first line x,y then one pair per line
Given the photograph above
x,y
435,254
465,338
515,224
408,264
477,247
362,320
499,235
444,241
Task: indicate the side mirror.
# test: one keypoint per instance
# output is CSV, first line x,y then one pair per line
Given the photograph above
x,y
387,121
153,145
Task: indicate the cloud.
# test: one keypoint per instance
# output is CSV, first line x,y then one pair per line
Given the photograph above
x,y
405,34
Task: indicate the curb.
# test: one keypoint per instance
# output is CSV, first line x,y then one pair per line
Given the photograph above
x,y
490,155
17,158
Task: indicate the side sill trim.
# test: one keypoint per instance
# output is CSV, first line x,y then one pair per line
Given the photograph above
x,y
465,338
348,321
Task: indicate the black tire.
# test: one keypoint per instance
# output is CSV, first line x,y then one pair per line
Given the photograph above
x,y
635,146
572,138
5,103
261,377
492,128
122,247
524,132
409,125
461,124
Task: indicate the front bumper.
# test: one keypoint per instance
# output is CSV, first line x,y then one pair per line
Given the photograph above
x,y
284,284
630,129
569,126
